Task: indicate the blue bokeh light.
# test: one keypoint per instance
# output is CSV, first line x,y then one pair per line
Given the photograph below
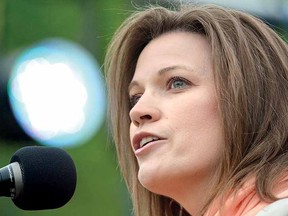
x,y
57,93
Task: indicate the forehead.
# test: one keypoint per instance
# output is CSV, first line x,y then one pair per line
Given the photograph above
x,y
190,50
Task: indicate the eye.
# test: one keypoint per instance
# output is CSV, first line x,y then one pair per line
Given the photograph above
x,y
134,99
177,83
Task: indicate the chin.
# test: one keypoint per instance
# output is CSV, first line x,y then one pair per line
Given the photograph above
x,y
156,183
150,180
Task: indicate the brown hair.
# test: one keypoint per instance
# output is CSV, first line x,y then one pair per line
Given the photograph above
x,y
250,63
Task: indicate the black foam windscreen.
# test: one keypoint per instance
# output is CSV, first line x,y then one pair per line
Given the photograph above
x,y
49,177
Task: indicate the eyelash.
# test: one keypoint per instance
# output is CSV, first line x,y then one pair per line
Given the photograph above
x,y
134,98
174,79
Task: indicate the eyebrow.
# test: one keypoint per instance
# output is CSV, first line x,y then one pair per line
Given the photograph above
x,y
160,73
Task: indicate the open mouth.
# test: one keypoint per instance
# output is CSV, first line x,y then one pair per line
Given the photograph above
x,y
147,140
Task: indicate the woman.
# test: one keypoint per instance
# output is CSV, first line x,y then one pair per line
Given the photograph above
x,y
198,108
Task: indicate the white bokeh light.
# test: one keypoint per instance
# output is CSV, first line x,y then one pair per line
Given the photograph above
x,y
57,93
53,96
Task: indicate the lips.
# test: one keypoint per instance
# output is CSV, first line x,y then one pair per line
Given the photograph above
x,y
143,138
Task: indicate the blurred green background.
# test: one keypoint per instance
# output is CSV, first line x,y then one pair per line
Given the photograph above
x,y
100,190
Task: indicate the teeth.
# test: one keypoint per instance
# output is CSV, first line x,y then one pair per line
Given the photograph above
x,y
146,140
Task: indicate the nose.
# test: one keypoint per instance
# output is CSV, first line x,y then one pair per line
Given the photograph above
x,y
144,111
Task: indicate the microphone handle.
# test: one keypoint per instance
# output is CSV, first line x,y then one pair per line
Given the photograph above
x,y
11,182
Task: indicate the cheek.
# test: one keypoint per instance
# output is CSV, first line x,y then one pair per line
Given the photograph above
x,y
198,114
199,124
200,142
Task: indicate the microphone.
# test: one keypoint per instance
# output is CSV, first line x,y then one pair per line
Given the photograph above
x,y
39,178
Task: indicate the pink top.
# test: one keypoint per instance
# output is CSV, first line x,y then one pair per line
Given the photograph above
x,y
246,202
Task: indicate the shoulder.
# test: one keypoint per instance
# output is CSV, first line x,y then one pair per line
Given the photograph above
x,y
279,208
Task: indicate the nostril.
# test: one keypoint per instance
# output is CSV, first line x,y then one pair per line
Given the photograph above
x,y
147,117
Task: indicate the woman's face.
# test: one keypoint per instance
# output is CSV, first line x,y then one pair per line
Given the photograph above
x,y
175,127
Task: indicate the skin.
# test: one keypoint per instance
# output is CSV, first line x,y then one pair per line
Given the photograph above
x,y
173,97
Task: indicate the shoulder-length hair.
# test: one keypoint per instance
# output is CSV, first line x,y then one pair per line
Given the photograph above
x,y
250,63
